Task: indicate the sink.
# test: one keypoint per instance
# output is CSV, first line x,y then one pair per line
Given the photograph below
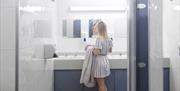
x,y
113,57
71,57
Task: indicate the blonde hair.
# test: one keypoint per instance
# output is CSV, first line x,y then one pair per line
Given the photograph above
x,y
102,30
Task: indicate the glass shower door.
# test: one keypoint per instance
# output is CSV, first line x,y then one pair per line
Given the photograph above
x,y
35,19
171,40
164,39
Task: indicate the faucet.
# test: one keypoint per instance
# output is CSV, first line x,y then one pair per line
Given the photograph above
x,y
75,54
65,54
120,54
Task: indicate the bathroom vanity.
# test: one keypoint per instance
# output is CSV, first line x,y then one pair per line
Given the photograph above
x,y
67,73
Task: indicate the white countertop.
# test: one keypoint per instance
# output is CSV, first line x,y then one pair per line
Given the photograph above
x,y
81,57
76,62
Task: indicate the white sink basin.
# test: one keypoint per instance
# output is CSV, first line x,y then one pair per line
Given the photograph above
x,y
71,57
114,57
81,57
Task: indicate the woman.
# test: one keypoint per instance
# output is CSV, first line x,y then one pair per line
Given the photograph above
x,y
102,47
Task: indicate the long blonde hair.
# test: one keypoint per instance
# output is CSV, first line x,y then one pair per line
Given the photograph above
x,y
102,30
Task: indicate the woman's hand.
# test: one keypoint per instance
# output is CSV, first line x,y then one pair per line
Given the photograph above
x,y
96,51
86,47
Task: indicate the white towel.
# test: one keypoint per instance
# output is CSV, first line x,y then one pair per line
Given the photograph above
x,y
87,74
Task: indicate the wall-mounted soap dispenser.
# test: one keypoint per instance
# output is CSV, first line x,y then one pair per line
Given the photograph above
x,y
84,37
86,40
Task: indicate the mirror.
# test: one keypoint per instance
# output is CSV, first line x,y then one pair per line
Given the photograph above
x,y
72,29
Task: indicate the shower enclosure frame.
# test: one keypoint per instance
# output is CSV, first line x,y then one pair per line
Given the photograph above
x,y
132,45
17,47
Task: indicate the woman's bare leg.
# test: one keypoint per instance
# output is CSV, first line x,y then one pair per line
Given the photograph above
x,y
101,84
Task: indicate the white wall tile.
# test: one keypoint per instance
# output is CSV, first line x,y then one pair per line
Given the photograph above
x,y
8,28
7,70
8,3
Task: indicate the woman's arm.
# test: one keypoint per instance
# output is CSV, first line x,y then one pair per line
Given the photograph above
x,y
96,51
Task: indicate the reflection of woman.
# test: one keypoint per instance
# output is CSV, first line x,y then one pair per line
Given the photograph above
x,y
102,47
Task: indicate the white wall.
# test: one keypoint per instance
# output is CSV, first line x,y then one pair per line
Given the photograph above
x,y
171,38
116,21
7,44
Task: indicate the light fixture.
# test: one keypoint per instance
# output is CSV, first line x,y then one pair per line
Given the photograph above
x,y
31,9
91,8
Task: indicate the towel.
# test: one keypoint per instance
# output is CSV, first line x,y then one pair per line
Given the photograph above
x,y
87,74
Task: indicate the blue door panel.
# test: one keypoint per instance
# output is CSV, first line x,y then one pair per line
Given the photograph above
x,y
142,46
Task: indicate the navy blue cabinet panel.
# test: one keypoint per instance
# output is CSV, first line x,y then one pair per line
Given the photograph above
x,y
166,79
68,80
90,89
121,80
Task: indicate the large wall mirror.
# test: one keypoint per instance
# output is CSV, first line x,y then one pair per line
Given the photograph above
x,y
76,17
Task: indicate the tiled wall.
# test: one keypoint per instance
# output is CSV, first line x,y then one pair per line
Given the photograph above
x,y
7,44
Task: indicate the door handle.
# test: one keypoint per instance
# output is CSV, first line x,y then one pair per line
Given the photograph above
x,y
141,65
141,6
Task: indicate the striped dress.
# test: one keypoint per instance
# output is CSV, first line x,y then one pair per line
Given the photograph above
x,y
101,64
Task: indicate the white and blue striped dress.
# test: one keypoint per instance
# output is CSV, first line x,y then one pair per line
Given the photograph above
x,y
101,64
